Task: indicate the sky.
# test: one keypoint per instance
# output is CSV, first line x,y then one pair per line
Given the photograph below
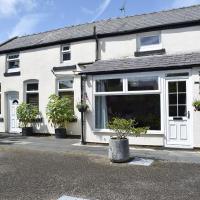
x,y
23,17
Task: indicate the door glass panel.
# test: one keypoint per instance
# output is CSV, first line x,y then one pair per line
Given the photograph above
x,y
181,86
177,98
182,111
172,87
172,111
172,99
182,98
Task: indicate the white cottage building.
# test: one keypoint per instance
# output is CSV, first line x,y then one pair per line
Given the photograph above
x,y
144,67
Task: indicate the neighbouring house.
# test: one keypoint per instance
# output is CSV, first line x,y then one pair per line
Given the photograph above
x,y
145,67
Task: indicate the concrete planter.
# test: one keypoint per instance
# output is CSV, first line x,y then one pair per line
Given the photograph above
x,y
60,132
118,150
27,131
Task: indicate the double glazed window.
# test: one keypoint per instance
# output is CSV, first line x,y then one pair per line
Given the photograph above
x,y
32,94
65,89
65,52
149,42
131,98
13,62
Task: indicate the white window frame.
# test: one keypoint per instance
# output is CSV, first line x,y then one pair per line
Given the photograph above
x,y
126,92
17,69
66,89
142,48
65,51
0,99
33,91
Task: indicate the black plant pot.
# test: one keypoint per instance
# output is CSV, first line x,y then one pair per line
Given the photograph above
x,y
197,108
27,131
60,133
82,108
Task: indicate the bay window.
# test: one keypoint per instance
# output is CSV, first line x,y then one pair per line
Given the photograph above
x,y
131,98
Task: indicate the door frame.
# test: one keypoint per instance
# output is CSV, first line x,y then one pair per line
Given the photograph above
x,y
10,93
189,108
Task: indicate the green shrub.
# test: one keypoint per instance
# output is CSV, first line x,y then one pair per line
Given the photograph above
x,y
196,105
59,111
124,127
27,114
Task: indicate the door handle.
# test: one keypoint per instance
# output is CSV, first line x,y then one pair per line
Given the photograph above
x,y
188,114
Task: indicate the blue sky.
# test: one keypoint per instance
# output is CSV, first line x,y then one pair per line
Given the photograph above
x,y
21,17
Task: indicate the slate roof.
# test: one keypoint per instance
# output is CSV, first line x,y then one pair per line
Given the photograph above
x,y
147,63
110,26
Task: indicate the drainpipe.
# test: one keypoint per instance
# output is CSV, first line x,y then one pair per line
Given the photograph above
x,y
97,43
82,113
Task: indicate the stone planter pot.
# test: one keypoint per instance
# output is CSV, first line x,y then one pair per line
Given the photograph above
x,y
60,132
119,150
27,131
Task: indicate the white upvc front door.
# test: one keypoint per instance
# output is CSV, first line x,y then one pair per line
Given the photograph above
x,y
13,123
178,111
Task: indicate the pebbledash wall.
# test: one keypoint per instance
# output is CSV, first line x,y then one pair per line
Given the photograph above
x,y
38,63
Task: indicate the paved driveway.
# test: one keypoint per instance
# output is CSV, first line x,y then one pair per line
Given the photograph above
x,y
28,171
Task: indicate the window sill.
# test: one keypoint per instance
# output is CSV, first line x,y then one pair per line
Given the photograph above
x,y
150,53
6,74
112,132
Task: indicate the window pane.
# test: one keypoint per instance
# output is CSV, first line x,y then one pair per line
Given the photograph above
x,y
33,99
172,87
182,98
182,111
173,111
0,103
32,86
172,99
145,109
13,64
109,85
69,94
66,84
66,56
144,83
149,40
15,56
181,86
66,48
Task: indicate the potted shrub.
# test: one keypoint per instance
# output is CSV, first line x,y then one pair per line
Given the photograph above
x,y
119,144
60,112
196,105
27,114
82,106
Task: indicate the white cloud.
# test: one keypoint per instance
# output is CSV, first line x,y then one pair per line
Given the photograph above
x,y
8,8
99,11
184,3
26,25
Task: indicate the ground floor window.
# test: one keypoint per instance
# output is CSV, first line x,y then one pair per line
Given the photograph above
x,y
0,98
65,89
32,94
145,109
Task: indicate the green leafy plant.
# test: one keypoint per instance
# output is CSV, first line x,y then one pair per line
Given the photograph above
x,y
60,111
124,127
82,106
196,105
27,114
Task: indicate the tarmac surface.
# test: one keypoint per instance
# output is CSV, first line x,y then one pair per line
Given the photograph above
x,y
47,169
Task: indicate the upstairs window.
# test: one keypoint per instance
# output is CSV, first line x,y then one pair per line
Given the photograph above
x,y
65,52
13,62
149,42
32,94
